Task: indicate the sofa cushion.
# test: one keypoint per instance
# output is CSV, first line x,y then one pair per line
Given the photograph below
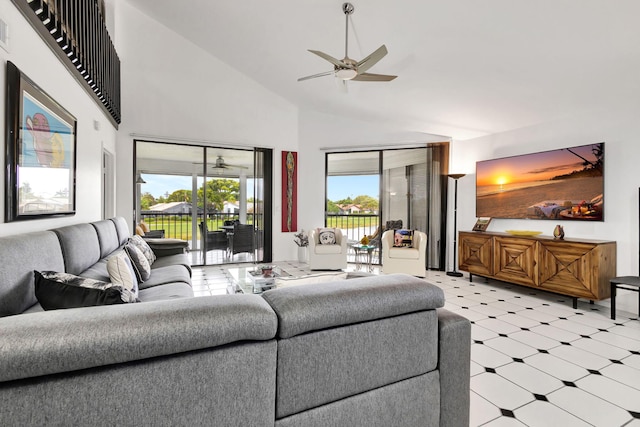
x,y
165,292
177,259
168,274
140,263
107,236
303,309
80,247
328,249
56,290
20,255
122,228
404,253
403,238
144,247
121,272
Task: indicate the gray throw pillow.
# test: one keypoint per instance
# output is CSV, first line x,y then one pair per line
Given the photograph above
x,y
144,247
140,263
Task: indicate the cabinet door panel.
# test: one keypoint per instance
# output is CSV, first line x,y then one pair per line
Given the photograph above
x,y
474,253
515,260
568,268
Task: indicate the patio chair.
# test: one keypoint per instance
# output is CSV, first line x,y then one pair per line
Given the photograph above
x,y
212,240
242,239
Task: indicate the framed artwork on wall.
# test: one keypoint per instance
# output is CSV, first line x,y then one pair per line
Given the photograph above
x,y
289,191
40,156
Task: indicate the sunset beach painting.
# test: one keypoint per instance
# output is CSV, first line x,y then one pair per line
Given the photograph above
x,y
563,184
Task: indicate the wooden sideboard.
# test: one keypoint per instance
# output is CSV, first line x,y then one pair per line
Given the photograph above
x,y
573,267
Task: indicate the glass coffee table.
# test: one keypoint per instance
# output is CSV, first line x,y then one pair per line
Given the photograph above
x,y
250,280
364,255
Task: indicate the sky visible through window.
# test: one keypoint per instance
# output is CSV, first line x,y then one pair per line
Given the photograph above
x,y
339,187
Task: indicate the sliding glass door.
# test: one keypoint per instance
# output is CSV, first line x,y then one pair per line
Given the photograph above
x,y
366,189
199,193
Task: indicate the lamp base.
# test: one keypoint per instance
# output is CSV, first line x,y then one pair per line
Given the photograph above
x,y
454,273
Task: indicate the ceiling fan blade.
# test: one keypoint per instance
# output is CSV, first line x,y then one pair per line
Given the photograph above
x,y
368,77
330,58
326,73
372,59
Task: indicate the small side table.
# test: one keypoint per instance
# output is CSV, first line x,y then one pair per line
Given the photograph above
x,y
360,251
630,283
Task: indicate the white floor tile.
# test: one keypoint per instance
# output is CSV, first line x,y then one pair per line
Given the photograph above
x,y
478,333
575,327
482,411
532,339
488,357
633,361
511,348
529,378
518,320
476,369
617,340
504,422
502,393
538,315
600,348
625,331
595,321
580,357
487,310
507,306
588,407
556,367
623,374
612,391
498,326
481,298
545,414
555,333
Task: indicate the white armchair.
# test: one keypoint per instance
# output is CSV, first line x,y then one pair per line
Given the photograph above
x,y
327,257
404,260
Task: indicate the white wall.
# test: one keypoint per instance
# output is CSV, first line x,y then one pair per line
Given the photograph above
x,y
34,58
619,130
172,88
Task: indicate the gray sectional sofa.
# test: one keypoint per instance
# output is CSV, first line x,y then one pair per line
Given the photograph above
x,y
369,351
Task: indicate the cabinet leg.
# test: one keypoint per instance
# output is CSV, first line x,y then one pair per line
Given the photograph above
x,y
575,302
591,301
470,278
614,288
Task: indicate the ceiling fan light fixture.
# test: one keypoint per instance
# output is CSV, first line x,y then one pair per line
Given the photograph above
x,y
346,73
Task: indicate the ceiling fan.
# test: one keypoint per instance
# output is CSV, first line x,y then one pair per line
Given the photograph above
x,y
347,68
221,164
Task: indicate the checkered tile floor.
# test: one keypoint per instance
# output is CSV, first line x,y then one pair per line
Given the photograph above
x,y
535,361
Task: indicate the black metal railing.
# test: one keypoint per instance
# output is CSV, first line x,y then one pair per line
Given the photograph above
x,y
355,226
75,30
179,225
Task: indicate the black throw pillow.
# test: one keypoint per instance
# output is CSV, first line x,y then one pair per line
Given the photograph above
x,y
61,290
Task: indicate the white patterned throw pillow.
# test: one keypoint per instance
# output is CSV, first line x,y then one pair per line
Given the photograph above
x,y
327,236
122,273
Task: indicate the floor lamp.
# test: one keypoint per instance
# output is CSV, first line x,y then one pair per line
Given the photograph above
x,y
456,177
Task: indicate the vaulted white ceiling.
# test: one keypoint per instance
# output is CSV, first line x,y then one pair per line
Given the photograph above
x,y
466,67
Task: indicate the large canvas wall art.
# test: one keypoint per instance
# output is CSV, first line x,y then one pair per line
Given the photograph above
x,y
40,152
562,184
289,191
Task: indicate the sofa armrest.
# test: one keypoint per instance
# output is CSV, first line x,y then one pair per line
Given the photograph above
x,y
454,359
164,247
52,342
154,234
